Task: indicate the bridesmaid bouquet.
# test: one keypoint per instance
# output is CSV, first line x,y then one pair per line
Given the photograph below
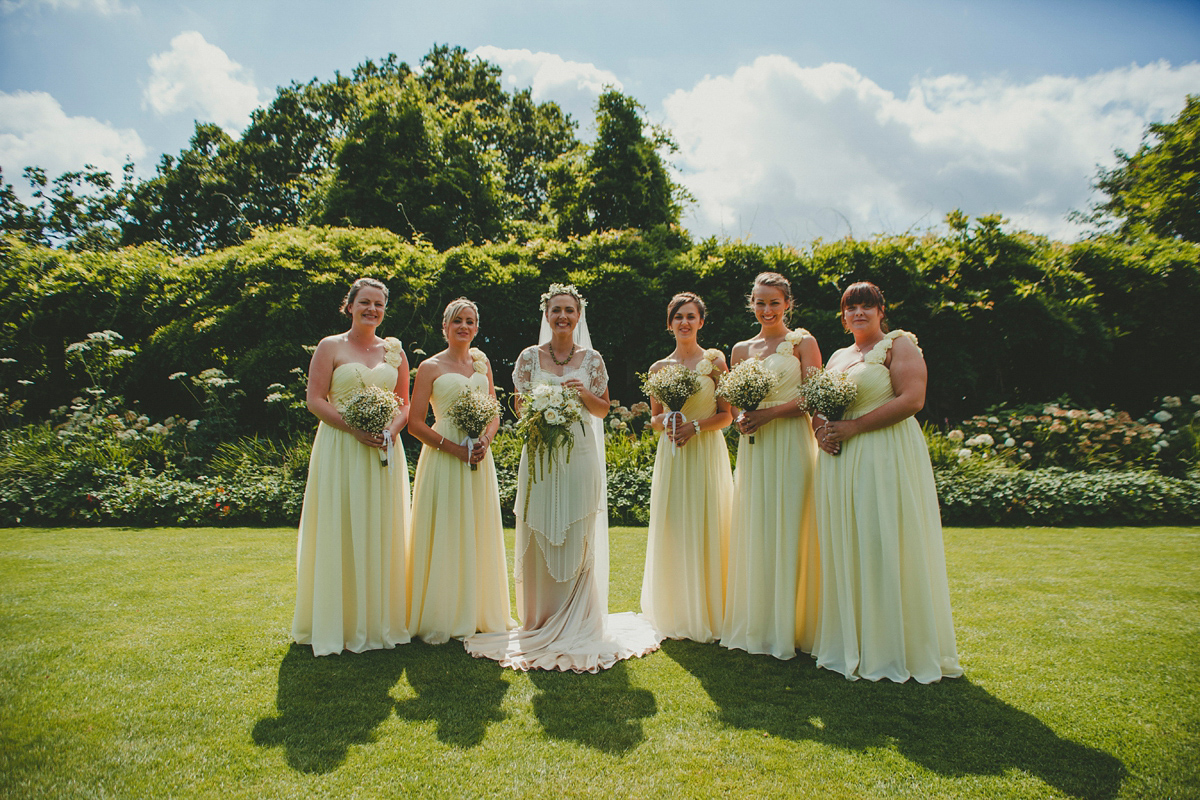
x,y
672,386
548,412
371,409
472,412
746,385
828,393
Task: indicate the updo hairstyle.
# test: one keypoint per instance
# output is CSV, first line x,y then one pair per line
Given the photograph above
x,y
355,288
679,301
775,281
453,309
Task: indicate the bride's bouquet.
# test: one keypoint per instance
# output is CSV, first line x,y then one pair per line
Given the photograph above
x,y
371,409
548,413
828,393
472,412
672,386
746,385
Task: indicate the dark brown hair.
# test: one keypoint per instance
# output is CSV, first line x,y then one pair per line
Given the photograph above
x,y
679,301
864,293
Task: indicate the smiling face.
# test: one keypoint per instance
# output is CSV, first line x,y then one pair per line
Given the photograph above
x,y
769,304
462,326
562,312
368,307
686,322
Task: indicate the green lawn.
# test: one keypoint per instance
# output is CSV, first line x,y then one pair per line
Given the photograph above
x,y
137,663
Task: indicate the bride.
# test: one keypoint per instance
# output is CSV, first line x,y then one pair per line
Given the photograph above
x,y
561,559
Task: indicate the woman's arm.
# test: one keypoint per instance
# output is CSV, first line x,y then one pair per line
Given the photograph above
x,y
401,391
809,354
320,379
909,376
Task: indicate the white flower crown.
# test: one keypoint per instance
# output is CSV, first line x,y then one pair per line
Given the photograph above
x,y
563,288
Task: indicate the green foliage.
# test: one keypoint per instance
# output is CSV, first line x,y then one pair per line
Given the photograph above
x,y
84,210
1158,187
1054,496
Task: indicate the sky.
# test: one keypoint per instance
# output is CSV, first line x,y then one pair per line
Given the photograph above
x,y
795,120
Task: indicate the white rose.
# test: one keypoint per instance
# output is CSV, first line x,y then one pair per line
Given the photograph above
x,y
552,416
704,367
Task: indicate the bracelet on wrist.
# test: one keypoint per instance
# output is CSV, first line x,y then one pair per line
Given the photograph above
x,y
696,425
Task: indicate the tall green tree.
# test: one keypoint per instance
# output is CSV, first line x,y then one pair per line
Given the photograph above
x,y
621,180
79,210
1158,187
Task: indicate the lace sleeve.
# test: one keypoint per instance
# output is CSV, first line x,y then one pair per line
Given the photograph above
x,y
597,374
523,370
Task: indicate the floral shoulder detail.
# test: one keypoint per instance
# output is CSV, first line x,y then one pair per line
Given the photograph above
x,y
791,340
712,357
879,352
393,351
479,361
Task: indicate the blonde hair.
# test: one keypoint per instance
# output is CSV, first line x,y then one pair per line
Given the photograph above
x,y
454,308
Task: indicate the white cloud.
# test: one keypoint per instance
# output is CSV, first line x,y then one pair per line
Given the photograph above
x,y
35,131
780,152
572,84
103,7
197,76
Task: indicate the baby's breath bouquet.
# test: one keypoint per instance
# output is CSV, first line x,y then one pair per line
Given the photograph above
x,y
371,409
472,412
828,393
548,413
746,385
672,386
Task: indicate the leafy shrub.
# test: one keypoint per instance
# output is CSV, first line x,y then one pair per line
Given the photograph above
x,y
1054,496
1058,435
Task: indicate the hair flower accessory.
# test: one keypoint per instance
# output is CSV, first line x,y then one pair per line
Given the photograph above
x,y
563,288
393,351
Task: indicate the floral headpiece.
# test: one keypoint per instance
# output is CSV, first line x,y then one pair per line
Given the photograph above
x,y
563,288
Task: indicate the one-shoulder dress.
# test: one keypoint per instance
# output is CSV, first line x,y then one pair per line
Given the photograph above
x,y
459,574
691,497
774,569
885,603
561,559
352,551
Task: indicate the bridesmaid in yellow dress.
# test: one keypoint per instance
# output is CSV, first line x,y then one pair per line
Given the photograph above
x,y
771,594
691,493
351,555
885,604
459,575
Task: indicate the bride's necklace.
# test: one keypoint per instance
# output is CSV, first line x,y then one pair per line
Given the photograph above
x,y
566,360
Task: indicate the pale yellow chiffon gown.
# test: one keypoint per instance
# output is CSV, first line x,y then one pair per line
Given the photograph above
x,y
885,603
691,497
459,574
774,566
352,552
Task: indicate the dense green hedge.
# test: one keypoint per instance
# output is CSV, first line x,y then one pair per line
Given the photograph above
x,y
1004,317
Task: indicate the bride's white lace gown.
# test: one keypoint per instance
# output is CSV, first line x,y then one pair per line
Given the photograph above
x,y
561,558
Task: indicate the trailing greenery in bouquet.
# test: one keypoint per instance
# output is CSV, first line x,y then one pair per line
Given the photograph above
x,y
746,385
472,412
371,409
672,386
828,393
548,413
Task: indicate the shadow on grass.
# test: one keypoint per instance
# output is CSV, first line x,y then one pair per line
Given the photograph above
x,y
952,728
601,711
327,704
460,692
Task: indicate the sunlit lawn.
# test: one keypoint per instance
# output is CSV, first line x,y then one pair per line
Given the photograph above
x,y
140,663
